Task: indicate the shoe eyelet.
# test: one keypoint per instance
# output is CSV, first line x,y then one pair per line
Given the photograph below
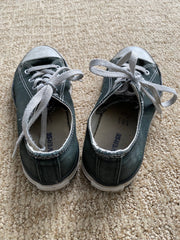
x,y
147,73
57,66
30,80
26,71
33,88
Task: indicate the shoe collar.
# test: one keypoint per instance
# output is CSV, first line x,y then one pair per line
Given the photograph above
x,y
124,151
54,153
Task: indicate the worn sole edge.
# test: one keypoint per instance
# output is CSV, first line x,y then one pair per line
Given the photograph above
x,y
52,187
105,188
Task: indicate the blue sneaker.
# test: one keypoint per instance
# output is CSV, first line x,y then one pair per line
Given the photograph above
x,y
118,125
46,119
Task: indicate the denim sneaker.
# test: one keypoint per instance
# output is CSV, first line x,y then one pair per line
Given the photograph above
x,y
118,125
46,119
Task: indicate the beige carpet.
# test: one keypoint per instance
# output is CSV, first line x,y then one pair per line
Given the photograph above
x,y
82,30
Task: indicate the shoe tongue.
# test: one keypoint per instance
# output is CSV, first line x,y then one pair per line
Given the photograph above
x,y
45,61
54,105
59,61
120,96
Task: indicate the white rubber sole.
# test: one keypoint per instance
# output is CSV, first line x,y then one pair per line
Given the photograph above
x,y
53,187
105,188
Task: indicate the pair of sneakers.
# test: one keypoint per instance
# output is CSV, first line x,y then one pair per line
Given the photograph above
x,y
117,127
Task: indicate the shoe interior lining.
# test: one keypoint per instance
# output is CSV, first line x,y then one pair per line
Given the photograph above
x,y
115,128
58,127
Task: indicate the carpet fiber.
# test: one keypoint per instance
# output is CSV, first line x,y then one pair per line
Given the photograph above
x,y
82,30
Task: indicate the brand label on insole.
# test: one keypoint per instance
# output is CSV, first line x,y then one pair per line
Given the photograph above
x,y
116,142
49,142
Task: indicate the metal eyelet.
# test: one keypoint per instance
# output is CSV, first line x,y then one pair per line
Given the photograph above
x,y
57,66
33,88
147,73
26,71
30,80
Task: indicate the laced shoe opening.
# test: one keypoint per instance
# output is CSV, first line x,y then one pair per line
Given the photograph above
x,y
114,124
58,126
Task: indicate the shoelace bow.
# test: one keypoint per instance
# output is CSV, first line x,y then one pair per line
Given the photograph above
x,y
46,80
125,72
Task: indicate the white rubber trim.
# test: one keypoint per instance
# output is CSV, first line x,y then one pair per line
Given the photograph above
x,y
53,187
41,52
105,188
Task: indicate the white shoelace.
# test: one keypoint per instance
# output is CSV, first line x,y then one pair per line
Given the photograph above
x,y
125,72
46,78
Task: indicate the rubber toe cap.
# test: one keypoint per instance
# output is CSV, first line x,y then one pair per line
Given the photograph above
x,y
139,52
41,52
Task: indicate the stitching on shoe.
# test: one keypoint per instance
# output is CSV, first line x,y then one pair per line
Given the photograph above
x,y
119,163
62,91
24,84
109,88
153,76
38,168
97,166
58,168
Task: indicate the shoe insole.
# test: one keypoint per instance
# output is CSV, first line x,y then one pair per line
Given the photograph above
x,y
57,129
117,127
